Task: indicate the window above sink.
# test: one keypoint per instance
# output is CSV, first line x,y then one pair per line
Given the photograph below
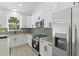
x,y
13,24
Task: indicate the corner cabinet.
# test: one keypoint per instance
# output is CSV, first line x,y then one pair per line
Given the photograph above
x,y
17,40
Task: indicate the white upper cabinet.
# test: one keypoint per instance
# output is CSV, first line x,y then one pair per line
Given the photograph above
x,y
28,21
24,25
3,18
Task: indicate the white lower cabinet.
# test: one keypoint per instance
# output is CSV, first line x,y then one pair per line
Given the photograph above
x,y
50,47
29,40
41,47
17,40
4,47
12,41
45,48
20,40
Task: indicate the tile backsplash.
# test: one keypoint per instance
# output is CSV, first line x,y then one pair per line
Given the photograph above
x,y
44,31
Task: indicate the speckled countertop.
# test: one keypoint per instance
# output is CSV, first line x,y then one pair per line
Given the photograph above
x,y
19,34
48,39
12,34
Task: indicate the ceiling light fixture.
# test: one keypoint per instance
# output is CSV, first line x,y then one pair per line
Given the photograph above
x,y
14,9
20,5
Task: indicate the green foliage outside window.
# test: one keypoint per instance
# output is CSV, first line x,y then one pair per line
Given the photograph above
x,y
14,23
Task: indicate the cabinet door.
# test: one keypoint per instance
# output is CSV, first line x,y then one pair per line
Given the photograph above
x,y
4,47
18,40
29,40
28,21
45,48
12,41
41,47
15,41
24,39
49,53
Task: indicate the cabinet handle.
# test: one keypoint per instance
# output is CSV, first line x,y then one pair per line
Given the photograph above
x,y
50,45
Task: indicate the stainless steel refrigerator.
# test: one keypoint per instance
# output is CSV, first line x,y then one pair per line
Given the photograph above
x,y
66,32
75,30
62,32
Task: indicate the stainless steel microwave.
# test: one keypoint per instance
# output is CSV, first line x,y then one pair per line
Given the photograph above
x,y
40,24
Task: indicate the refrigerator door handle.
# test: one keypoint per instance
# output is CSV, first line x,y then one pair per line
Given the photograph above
x,y
69,42
74,38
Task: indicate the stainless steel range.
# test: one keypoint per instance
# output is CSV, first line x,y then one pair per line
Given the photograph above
x,y
35,46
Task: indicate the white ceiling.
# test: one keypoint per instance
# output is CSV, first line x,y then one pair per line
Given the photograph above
x,y
27,8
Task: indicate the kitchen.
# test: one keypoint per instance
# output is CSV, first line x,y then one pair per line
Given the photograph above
x,y
38,28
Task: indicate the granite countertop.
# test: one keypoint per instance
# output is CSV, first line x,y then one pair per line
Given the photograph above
x,y
48,39
13,34
18,34
40,35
